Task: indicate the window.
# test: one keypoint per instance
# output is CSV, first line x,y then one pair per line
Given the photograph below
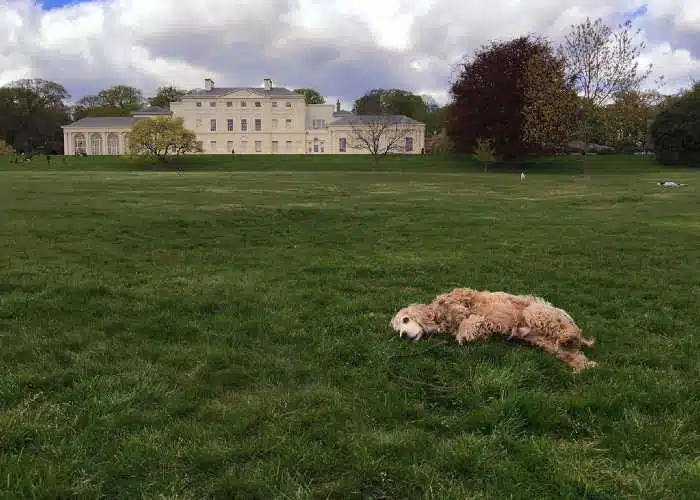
x,y
212,125
287,104
409,145
257,104
315,144
318,124
322,146
229,104
243,104
288,123
244,145
229,145
288,146
199,122
274,122
258,124
258,146
212,104
212,145
343,144
244,124
275,146
274,104
198,104
229,124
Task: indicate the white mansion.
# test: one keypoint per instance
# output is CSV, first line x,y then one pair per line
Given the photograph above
x,y
252,120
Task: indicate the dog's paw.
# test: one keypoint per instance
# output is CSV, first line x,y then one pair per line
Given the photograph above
x,y
463,338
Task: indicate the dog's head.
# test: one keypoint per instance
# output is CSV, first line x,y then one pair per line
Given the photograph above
x,y
414,322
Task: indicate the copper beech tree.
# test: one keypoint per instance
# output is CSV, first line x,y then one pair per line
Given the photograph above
x,y
513,94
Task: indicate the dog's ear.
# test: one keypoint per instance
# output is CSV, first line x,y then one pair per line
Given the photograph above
x,y
425,317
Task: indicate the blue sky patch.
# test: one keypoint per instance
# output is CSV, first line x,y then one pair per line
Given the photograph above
x,y
57,4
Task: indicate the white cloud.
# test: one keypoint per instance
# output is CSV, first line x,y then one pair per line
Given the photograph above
x,y
342,49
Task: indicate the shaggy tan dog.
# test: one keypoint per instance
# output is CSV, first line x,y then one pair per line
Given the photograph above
x,y
471,315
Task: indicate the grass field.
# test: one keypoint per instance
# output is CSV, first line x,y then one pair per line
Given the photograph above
x,y
222,332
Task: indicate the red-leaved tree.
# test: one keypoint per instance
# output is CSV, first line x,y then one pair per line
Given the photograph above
x,y
512,93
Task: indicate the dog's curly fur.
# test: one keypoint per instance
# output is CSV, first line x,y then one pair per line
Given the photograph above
x,y
470,315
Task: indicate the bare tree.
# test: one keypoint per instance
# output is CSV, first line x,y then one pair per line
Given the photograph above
x,y
380,134
601,62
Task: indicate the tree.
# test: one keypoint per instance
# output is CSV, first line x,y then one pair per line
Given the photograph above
x,y
390,101
629,117
550,104
165,95
31,114
601,62
496,90
118,100
379,135
160,137
311,96
675,132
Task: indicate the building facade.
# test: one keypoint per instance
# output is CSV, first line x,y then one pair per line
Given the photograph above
x,y
255,120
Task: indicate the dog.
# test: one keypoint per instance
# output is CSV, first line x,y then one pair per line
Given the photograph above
x,y
471,315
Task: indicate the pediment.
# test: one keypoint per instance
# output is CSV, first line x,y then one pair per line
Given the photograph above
x,y
241,94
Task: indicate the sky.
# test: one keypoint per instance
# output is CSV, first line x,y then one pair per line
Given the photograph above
x,y
340,48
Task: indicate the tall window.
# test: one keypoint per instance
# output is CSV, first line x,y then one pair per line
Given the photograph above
x,y
288,123
244,124
229,124
342,144
96,144
112,144
229,145
409,145
274,122
288,146
275,146
258,146
258,124
212,125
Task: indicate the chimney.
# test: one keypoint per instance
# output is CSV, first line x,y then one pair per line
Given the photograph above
x,y
208,84
337,105
268,83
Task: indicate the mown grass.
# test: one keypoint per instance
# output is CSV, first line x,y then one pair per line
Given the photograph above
x,y
224,334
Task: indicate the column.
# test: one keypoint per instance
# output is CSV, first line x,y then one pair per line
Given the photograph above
x,y
121,144
65,142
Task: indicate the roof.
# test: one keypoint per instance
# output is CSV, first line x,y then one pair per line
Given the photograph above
x,y
352,119
104,122
153,110
222,91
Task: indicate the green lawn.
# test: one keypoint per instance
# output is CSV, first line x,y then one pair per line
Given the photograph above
x,y
222,331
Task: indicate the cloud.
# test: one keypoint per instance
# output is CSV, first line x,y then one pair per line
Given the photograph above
x,y
340,48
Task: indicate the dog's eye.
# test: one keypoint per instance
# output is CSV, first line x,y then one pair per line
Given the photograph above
x,y
405,319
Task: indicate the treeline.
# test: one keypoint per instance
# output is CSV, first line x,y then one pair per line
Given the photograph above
x,y
510,100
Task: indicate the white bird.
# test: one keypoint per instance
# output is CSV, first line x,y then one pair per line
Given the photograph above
x,y
522,176
670,184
